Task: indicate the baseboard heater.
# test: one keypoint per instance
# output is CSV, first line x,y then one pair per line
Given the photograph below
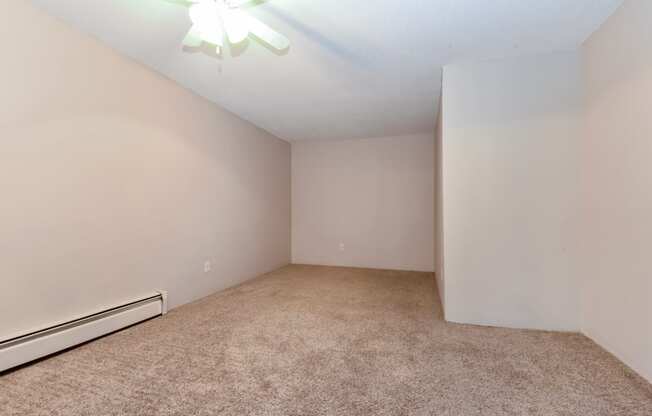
x,y
25,348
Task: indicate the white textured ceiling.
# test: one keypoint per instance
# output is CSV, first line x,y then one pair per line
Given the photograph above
x,y
355,68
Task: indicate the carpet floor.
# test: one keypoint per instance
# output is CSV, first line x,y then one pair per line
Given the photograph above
x,y
307,340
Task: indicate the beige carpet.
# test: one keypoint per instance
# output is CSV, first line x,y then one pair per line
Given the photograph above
x,y
326,341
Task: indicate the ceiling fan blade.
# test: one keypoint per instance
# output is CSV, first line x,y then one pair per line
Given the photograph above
x,y
267,34
235,25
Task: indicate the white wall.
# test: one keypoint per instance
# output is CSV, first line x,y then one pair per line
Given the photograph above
x,y
116,182
375,196
510,184
617,176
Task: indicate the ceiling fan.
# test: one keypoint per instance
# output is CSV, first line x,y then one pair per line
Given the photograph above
x,y
213,19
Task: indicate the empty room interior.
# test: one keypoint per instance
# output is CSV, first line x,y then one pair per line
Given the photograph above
x,y
285,207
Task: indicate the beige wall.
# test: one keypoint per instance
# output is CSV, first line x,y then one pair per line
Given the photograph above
x,y
617,176
510,185
116,182
374,196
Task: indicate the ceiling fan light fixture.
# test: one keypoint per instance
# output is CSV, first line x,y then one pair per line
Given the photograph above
x,y
235,24
213,19
206,25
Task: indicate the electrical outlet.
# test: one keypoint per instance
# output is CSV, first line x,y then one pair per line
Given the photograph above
x,y
207,266
341,246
